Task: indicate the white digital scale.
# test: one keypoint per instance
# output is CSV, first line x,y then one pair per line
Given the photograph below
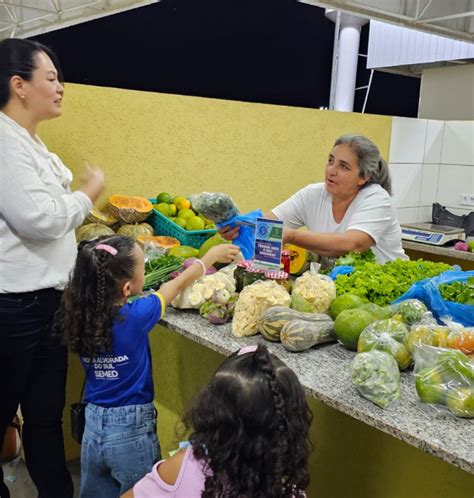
x,y
428,233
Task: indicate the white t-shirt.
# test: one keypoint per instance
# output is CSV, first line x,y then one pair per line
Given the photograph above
x,y
371,212
38,213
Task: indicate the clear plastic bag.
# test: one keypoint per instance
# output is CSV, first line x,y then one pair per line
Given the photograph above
x,y
444,380
215,206
428,291
376,377
313,292
389,336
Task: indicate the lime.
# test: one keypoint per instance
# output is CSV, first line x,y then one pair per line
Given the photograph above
x,y
180,222
429,385
461,402
186,213
163,208
173,209
163,197
195,223
345,302
349,324
181,202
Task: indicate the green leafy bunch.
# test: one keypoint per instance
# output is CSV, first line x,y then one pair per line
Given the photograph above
x,y
382,284
459,292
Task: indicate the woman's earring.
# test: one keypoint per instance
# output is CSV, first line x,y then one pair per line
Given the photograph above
x,y
23,97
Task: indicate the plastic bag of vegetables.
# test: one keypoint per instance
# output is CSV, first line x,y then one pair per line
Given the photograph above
x,y
203,289
376,377
313,292
444,380
253,301
389,336
215,206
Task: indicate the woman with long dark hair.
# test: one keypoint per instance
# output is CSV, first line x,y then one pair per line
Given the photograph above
x,y
38,215
249,436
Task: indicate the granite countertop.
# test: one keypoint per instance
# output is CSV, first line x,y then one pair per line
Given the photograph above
x,y
325,375
441,250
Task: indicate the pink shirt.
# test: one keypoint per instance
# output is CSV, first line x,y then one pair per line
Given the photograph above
x,y
189,483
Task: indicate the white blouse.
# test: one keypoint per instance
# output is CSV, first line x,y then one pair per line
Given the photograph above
x,y
38,213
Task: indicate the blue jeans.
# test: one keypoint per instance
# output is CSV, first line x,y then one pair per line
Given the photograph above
x,y
119,447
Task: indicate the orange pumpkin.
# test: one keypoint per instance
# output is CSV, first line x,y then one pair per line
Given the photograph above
x,y
130,209
158,240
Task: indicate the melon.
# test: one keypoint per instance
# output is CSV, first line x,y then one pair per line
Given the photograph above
x,y
215,240
92,231
130,209
161,241
135,230
98,216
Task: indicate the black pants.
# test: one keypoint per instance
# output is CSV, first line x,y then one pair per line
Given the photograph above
x,y
33,369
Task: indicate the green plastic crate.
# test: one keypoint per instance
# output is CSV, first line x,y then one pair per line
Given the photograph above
x,y
164,226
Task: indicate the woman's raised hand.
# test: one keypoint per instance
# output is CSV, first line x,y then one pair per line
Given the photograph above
x,y
93,182
229,233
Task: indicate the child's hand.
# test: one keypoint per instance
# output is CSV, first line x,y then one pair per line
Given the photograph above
x,y
224,253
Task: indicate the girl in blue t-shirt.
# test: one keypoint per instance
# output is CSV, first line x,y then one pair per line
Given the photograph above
x,y
110,334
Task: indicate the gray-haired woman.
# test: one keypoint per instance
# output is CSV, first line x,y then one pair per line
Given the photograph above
x,y
350,211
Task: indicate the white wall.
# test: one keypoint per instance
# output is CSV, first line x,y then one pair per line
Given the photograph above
x,y
430,161
447,93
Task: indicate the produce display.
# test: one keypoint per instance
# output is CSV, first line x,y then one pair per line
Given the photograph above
x,y
444,378
354,307
253,301
382,284
376,377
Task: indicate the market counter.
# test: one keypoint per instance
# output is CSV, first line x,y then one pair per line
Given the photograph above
x,y
352,457
415,250
361,451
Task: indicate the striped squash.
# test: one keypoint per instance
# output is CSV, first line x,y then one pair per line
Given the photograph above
x,y
299,335
273,319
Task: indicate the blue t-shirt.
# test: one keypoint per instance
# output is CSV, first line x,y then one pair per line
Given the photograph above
x,y
124,376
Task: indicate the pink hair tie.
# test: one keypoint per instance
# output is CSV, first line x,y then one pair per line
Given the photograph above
x,y
247,349
107,248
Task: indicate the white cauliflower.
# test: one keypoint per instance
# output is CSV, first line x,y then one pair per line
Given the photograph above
x,y
313,292
253,301
203,289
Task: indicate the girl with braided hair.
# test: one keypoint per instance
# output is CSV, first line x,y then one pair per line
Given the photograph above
x,y
110,334
249,436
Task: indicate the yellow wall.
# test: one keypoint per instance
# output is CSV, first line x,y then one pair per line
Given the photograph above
x,y
260,154
148,143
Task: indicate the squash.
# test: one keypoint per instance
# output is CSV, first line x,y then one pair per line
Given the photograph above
x,y
273,319
98,216
135,230
92,231
130,209
160,241
299,335
300,259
